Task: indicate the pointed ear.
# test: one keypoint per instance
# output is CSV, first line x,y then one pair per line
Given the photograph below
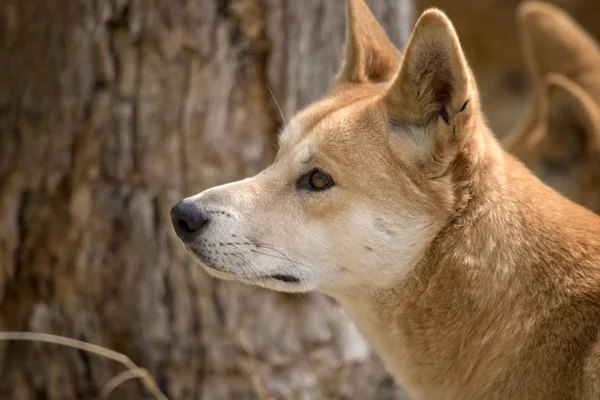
x,y
434,79
553,42
369,56
573,121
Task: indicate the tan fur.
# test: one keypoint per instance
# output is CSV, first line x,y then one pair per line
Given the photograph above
x,y
560,138
469,277
368,55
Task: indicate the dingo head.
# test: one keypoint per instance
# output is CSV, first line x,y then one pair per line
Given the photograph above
x,y
363,179
560,140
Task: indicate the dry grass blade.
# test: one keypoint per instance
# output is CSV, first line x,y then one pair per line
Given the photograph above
x,y
121,378
145,377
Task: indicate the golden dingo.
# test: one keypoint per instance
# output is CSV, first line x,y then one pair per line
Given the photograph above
x,y
469,277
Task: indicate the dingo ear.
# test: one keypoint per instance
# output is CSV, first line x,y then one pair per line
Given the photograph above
x,y
553,42
434,79
573,121
369,56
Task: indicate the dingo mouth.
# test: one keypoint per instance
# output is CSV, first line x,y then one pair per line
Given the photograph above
x,y
283,278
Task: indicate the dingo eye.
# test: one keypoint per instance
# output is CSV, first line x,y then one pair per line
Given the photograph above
x,y
316,180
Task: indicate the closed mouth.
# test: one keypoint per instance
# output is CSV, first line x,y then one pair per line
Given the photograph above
x,y
225,274
286,278
231,275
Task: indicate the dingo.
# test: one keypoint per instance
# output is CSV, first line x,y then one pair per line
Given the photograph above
x,y
469,277
560,138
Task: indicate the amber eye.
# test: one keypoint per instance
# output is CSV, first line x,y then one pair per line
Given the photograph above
x,y
319,180
316,180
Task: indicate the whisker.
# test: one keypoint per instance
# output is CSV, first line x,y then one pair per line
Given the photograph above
x,y
253,270
277,104
250,263
267,244
191,261
284,257
300,298
273,247
270,255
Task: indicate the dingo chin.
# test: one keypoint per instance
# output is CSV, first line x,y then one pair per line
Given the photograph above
x,y
560,139
469,277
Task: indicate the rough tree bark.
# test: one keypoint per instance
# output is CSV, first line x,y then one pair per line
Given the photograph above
x,y
110,112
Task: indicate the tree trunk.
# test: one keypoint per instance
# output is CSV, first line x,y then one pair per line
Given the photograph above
x,y
111,112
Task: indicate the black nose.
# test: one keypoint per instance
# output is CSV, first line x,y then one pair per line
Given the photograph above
x,y
188,220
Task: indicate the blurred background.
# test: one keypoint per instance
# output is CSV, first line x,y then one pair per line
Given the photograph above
x,y
111,111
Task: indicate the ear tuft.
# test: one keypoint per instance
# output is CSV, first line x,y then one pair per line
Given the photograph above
x,y
434,79
369,56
